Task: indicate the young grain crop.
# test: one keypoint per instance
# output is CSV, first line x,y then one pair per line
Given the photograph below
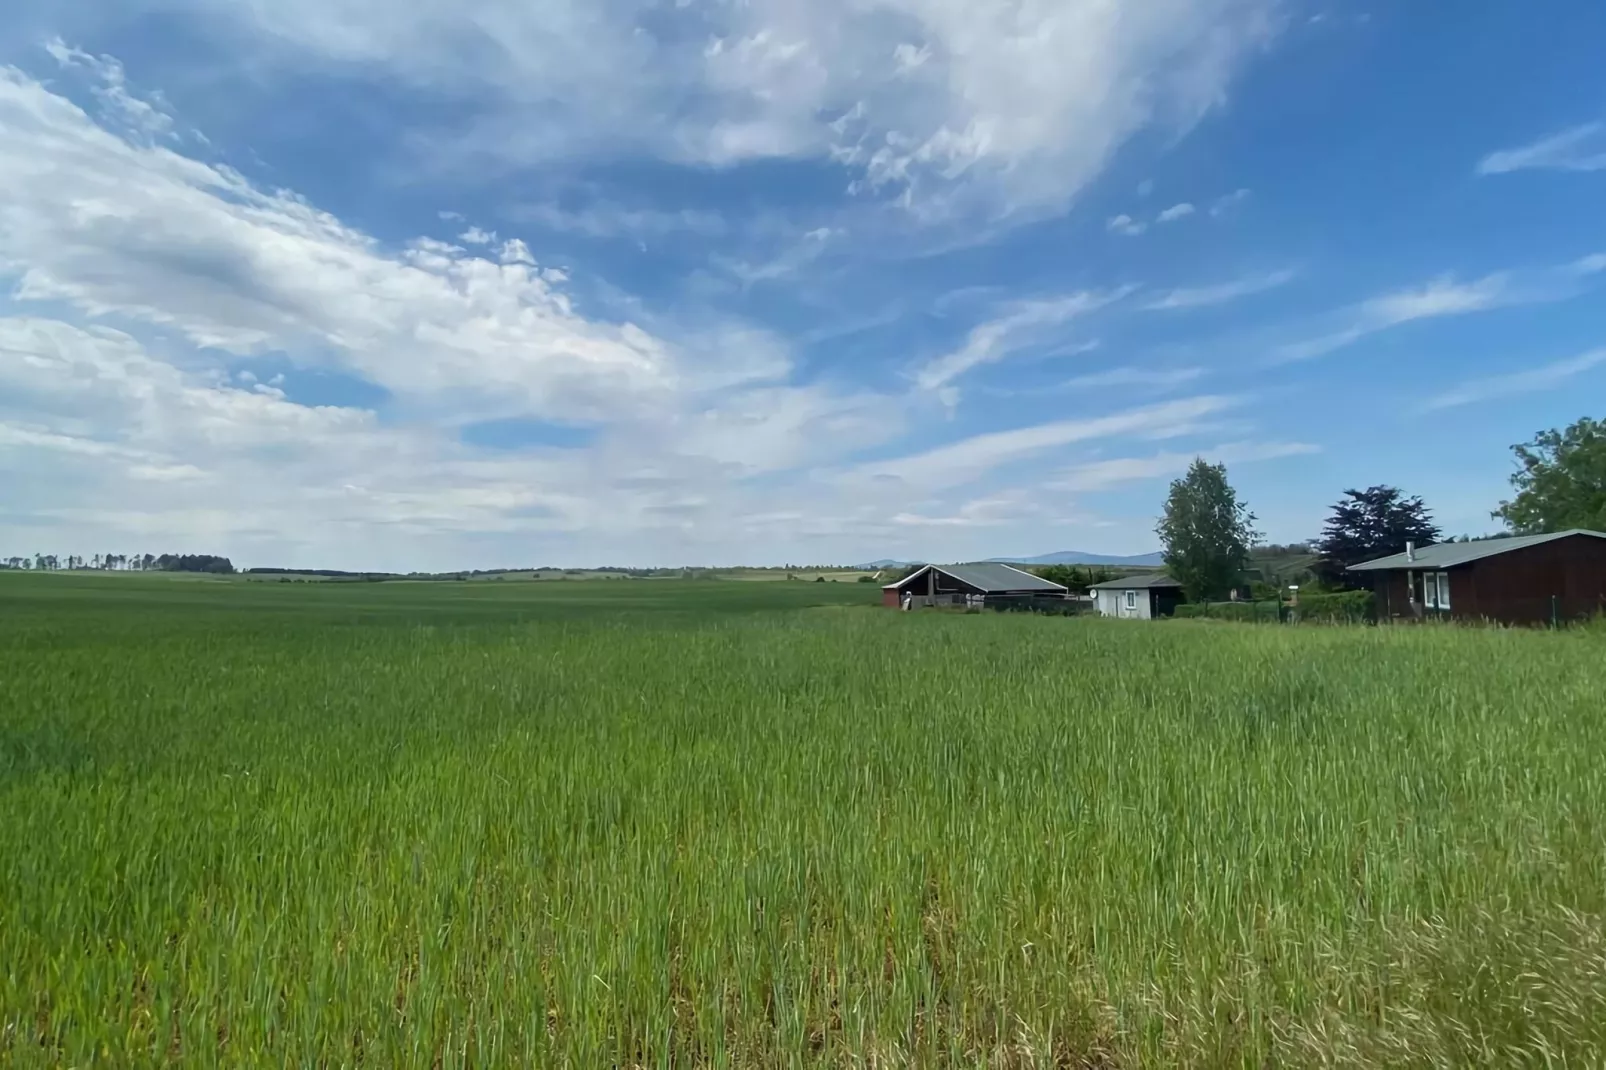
x,y
669,824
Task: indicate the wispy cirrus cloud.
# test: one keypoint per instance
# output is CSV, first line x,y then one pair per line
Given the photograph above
x,y
947,108
1439,298
1229,203
1129,376
145,114
958,463
1175,212
1578,148
1204,296
1448,297
1102,475
1529,381
1019,326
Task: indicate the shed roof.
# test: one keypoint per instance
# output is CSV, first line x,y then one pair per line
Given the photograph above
x,y
1128,583
987,576
1451,554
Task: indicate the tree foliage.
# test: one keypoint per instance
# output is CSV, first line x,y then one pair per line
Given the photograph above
x,y
1561,481
1368,524
1078,578
194,563
1206,532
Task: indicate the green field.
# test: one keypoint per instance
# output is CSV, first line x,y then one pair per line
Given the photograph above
x,y
669,823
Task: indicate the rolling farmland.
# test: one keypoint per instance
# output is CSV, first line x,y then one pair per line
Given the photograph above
x,y
677,823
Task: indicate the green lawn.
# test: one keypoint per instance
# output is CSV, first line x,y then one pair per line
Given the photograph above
x,y
669,823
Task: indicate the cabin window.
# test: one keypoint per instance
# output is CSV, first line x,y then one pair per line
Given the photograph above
x,y
1436,590
1131,599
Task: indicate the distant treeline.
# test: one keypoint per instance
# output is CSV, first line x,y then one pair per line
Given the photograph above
x,y
121,563
326,573
194,563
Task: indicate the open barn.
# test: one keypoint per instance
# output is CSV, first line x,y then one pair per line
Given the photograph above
x,y
983,583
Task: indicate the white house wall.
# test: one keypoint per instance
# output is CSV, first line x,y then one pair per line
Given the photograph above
x,y
1112,603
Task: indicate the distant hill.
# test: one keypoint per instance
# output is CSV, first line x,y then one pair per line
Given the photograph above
x,y
1063,557
1078,557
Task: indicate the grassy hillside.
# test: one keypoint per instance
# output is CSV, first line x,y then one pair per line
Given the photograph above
x,y
683,824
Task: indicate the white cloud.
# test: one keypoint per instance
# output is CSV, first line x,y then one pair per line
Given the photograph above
x,y
1022,325
1175,212
1533,380
514,251
1226,204
1204,296
477,236
1148,378
1101,475
1125,224
113,227
144,278
1579,148
605,219
961,462
1439,298
145,433
955,107
145,116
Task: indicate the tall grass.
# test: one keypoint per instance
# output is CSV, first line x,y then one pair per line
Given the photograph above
x,y
248,826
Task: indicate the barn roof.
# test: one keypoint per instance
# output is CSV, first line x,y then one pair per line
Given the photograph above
x,y
987,576
1450,554
1147,579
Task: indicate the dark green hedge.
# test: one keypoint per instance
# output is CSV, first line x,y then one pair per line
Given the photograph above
x,y
1340,607
1254,612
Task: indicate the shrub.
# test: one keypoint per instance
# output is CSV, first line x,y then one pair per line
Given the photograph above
x,y
1262,591
1253,612
1338,607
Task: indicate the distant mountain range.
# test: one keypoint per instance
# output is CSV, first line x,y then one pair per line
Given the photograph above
x,y
1079,557
1062,557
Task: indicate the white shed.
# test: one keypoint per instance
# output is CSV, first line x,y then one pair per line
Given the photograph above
x,y
1138,597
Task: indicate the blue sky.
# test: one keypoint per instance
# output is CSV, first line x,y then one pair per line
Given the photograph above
x,y
420,284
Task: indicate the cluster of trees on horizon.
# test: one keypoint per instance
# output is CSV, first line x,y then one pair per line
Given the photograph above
x,y
121,563
1208,535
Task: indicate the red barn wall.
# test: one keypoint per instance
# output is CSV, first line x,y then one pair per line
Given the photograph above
x,y
1517,587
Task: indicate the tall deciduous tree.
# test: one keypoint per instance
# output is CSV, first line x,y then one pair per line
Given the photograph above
x,y
1206,532
1561,481
1371,523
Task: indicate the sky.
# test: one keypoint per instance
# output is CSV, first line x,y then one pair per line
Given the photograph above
x,y
436,284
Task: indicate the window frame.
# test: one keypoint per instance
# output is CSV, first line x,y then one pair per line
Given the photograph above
x,y
1131,599
1443,590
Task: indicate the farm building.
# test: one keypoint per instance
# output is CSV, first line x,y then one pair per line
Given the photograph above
x,y
1528,579
1138,597
948,585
